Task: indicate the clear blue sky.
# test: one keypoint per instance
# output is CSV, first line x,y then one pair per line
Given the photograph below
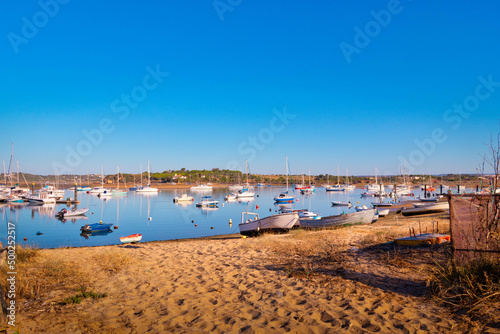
x,y
233,68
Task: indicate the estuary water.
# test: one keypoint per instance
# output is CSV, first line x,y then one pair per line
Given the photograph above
x,y
156,216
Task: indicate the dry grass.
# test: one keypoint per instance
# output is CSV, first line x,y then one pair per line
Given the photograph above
x,y
472,288
42,271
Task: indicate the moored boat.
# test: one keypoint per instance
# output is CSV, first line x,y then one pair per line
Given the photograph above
x,y
425,209
96,227
183,198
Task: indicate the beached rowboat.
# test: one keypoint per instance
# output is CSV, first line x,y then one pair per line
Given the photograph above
x,y
361,217
131,238
278,223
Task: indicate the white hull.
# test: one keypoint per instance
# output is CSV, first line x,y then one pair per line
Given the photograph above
x,y
277,223
201,187
147,189
426,209
76,212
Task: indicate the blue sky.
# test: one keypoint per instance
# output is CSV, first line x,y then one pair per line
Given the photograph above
x,y
209,84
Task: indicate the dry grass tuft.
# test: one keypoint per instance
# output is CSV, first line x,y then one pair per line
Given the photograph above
x,y
112,259
474,288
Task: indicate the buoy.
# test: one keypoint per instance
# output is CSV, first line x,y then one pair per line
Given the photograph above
x,y
195,225
270,210
192,221
100,221
256,207
223,204
116,227
257,195
211,227
91,213
25,239
150,218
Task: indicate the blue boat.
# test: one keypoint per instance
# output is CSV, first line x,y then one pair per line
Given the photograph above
x,y
95,227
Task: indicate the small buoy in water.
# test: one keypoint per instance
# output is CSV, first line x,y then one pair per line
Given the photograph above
x,y
150,218
195,225
116,227
270,210
223,204
257,207
100,221
91,213
230,222
25,239
257,195
211,227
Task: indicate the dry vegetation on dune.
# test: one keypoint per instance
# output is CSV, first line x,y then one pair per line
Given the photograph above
x,y
44,274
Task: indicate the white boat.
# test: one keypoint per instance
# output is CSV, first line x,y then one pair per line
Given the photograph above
x,y
382,204
183,198
284,197
131,238
101,189
245,192
117,191
207,202
71,213
336,187
347,186
277,223
203,187
383,212
148,188
15,199
41,198
425,209
338,203
361,208
361,217
231,197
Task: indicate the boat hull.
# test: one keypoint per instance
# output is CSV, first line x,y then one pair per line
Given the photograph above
x,y
131,238
426,209
361,217
281,223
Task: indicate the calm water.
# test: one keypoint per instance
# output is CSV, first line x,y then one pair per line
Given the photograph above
x,y
155,216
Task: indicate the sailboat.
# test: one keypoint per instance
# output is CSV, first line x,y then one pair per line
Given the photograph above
x,y
309,189
245,192
336,187
117,191
148,188
285,197
101,189
347,186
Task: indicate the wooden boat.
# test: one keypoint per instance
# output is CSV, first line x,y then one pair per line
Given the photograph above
x,y
131,238
280,223
361,217
95,227
426,209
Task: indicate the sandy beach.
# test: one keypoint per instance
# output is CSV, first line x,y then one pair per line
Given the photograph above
x,y
327,281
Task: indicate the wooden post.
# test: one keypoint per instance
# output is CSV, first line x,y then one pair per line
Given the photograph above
x,y
458,188
395,192
441,189
76,192
425,191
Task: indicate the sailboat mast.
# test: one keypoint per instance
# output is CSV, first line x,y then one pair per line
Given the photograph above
x,y
102,176
118,177
149,176
246,161
286,169
4,175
